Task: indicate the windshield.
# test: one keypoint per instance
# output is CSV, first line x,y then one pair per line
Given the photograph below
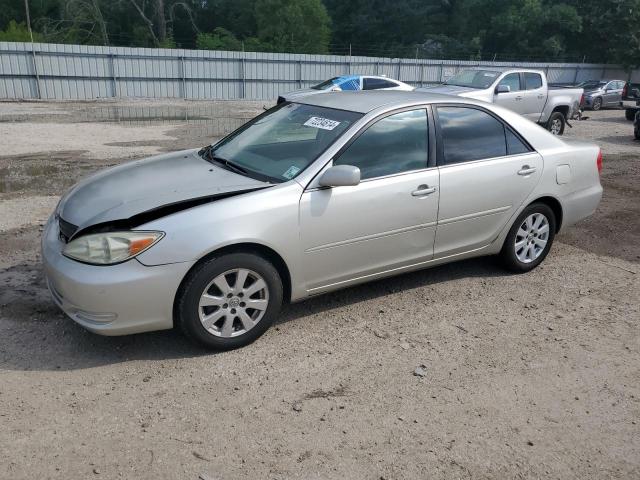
x,y
473,78
326,84
279,144
591,85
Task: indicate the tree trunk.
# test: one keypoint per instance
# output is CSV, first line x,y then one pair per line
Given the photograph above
x,y
161,21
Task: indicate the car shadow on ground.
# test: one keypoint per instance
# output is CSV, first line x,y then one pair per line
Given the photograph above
x,y
35,335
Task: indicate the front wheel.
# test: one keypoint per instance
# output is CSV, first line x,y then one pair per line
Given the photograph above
x,y
229,301
529,239
556,123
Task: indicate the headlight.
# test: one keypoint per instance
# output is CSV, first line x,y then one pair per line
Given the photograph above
x,y
111,247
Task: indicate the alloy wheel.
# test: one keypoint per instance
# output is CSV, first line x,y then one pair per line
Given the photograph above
x,y
556,126
531,238
233,303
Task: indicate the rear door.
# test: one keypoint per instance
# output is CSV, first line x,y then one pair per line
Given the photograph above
x,y
535,96
486,173
513,100
388,220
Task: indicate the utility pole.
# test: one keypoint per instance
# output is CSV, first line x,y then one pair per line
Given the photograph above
x,y
26,10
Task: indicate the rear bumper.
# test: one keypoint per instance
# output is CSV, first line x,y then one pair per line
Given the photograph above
x,y
630,104
581,204
111,300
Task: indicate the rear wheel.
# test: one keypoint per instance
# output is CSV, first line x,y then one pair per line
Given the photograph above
x,y
229,301
597,104
630,114
556,123
529,239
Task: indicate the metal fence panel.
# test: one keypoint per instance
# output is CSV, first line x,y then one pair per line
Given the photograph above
x,y
52,71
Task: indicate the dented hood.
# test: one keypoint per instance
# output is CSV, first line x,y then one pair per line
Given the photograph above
x,y
134,188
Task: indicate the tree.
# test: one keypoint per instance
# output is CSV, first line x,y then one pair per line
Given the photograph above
x,y
293,25
17,32
219,39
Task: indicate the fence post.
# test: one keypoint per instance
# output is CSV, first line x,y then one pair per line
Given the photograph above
x,y
183,75
299,73
421,67
575,77
35,71
243,93
398,69
113,74
441,72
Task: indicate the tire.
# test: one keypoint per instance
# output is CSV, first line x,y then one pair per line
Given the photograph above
x,y
597,104
556,123
230,321
630,114
636,132
519,258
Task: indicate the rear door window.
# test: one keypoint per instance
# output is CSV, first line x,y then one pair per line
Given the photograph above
x,y
370,83
532,81
470,134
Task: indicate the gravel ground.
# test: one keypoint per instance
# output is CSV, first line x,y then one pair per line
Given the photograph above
x,y
524,376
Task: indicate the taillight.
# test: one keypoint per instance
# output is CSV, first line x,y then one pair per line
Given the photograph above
x,y
582,100
599,162
624,90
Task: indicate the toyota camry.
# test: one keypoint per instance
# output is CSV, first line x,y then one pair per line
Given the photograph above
x,y
309,197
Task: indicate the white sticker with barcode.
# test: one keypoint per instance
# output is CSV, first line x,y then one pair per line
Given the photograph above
x,y
323,123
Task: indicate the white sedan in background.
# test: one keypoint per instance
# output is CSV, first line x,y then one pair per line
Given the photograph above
x,y
345,83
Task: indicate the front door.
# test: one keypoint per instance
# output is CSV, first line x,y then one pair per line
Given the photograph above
x,y
486,173
387,221
513,100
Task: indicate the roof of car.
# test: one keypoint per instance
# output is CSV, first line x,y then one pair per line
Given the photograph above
x,y
366,101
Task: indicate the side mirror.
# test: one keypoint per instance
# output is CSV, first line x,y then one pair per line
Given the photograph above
x,y
340,176
503,89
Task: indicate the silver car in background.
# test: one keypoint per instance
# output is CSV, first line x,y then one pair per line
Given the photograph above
x,y
599,94
310,197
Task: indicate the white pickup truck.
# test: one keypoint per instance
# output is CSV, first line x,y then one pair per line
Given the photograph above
x,y
524,91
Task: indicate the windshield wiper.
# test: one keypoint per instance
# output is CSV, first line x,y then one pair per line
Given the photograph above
x,y
207,152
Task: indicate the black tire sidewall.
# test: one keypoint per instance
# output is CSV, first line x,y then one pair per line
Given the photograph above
x,y
563,121
508,254
630,114
186,312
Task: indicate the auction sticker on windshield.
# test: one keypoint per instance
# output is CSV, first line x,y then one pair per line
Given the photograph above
x,y
291,172
323,123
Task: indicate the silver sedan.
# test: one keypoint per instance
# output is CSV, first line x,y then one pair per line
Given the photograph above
x,y
310,197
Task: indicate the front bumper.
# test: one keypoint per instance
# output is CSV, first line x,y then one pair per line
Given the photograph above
x,y
111,300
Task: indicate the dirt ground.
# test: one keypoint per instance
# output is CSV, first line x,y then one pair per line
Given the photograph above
x,y
525,376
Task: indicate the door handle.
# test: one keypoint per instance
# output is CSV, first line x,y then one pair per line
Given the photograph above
x,y
526,170
423,190
541,96
518,98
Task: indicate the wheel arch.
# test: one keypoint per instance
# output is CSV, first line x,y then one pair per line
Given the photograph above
x,y
563,109
248,247
554,205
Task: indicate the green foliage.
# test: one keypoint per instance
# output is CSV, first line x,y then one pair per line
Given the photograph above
x,y
219,39
293,25
545,30
17,32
